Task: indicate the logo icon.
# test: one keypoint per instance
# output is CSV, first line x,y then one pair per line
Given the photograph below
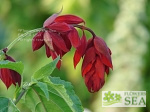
x,y
111,98
123,98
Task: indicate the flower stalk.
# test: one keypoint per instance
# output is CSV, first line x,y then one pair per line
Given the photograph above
x,y
23,91
85,28
20,95
21,37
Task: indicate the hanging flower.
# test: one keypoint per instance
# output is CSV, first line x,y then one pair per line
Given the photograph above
x,y
9,76
60,34
96,62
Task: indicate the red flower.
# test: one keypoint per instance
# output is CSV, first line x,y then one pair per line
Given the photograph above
x,y
9,76
58,35
96,62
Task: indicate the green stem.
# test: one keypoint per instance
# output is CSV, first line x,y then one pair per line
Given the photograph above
x,y
23,90
21,37
20,96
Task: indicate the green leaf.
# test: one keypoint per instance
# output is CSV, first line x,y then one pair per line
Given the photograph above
x,y
4,104
46,70
62,97
44,88
7,105
12,107
16,66
67,88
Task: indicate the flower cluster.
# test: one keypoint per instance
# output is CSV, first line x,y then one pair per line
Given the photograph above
x,y
59,34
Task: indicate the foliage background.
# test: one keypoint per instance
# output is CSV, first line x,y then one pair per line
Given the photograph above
x,y
124,25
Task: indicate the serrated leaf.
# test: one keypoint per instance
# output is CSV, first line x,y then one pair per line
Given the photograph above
x,y
77,106
6,105
46,70
16,66
44,88
61,97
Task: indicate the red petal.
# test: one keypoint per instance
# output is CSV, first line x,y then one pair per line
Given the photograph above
x,y
54,56
100,70
76,58
48,40
87,69
90,43
37,41
107,61
58,51
15,77
59,27
80,50
82,47
59,42
69,19
10,77
89,57
92,82
67,41
101,47
48,52
109,51
74,37
89,75
87,79
5,76
50,20
58,64
107,70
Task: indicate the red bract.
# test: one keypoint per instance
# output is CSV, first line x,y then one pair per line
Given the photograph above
x,y
69,19
80,50
9,76
96,62
58,35
74,37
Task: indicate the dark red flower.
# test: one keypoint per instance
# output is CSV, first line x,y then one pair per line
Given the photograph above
x,y
96,62
58,35
9,76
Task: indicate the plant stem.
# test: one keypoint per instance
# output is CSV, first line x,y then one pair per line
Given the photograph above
x,y
21,37
85,28
20,96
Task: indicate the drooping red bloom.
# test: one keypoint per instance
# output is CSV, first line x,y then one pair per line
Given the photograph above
x,y
58,35
96,62
9,76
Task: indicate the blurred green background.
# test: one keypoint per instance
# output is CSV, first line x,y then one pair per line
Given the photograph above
x,y
124,25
